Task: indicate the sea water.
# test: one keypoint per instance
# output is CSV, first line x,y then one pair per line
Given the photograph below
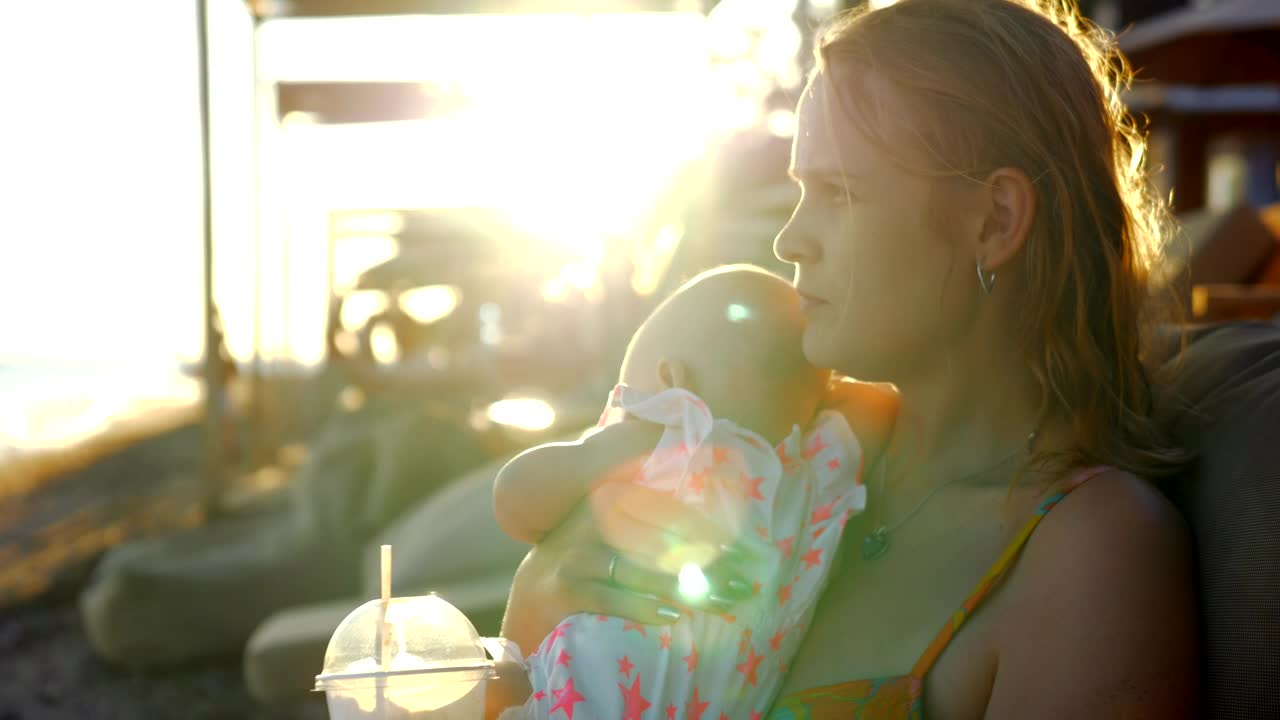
x,y
55,404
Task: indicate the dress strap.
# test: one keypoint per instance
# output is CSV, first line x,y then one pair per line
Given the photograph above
x,y
998,571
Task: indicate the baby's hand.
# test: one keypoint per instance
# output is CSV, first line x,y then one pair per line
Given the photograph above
x,y
869,407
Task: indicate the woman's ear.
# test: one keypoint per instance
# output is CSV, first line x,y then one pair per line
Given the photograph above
x,y
1010,209
673,373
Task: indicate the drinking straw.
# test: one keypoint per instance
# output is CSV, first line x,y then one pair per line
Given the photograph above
x,y
384,637
384,646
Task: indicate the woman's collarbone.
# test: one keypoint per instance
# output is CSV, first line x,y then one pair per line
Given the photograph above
x,y
897,603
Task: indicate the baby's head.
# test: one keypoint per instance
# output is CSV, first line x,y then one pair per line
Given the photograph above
x,y
732,336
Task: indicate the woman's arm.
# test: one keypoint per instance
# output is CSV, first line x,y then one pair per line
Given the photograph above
x,y
534,492
1102,618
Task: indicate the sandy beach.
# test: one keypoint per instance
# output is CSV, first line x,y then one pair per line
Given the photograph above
x,y
50,674
59,509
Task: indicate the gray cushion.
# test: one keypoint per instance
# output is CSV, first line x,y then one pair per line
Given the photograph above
x,y
1231,498
199,594
452,536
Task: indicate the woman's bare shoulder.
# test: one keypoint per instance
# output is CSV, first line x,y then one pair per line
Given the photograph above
x,y
1104,595
1113,507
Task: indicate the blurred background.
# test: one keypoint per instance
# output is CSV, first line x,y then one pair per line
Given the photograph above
x,y
282,279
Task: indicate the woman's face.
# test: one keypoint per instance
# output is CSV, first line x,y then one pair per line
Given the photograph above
x,y
882,277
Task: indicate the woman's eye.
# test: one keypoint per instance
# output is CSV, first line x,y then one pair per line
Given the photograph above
x,y
836,194
828,193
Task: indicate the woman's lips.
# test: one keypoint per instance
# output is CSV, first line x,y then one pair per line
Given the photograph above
x,y
809,302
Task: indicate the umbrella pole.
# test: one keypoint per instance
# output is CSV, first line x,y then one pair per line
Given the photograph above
x,y
212,465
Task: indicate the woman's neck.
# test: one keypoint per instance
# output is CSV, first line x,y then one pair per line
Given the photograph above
x,y
959,417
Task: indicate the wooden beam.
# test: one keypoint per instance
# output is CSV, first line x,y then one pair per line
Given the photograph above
x,y
268,9
356,102
1217,303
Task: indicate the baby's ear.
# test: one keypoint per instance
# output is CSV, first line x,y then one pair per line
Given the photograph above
x,y
673,373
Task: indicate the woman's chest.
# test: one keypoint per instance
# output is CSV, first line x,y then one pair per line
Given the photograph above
x,y
877,617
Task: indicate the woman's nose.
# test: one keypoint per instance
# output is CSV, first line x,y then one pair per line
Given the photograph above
x,y
794,244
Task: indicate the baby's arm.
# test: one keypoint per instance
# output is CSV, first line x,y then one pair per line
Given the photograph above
x,y
536,490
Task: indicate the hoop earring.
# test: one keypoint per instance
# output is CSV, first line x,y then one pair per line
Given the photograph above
x,y
988,281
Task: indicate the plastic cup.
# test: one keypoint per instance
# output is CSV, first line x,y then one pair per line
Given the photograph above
x,y
407,658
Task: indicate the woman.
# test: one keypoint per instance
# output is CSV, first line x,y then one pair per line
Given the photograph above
x,y
976,230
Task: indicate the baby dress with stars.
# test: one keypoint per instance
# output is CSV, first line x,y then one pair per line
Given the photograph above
x,y
792,500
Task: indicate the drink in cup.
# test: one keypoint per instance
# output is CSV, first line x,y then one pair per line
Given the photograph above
x,y
405,658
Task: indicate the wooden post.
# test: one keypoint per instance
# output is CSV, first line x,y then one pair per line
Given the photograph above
x,y
257,447
212,465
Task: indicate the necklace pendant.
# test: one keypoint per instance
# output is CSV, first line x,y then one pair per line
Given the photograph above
x,y
875,544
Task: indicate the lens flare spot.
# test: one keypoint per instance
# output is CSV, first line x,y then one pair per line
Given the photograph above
x,y
523,413
693,584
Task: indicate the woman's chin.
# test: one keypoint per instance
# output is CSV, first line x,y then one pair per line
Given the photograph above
x,y
824,354
816,350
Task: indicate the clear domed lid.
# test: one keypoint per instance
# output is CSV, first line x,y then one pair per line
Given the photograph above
x,y
422,634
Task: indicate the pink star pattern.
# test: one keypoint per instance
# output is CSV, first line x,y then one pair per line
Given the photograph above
x,y
633,702
711,468
750,486
719,454
557,633
748,667
816,445
695,708
782,455
775,642
566,697
698,481
786,545
784,594
813,558
822,512
692,658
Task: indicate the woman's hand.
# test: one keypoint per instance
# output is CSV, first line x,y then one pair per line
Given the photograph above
x,y
620,553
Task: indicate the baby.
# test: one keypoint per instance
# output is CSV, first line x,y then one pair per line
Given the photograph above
x,y
714,392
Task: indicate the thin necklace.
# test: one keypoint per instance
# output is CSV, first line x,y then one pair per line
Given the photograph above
x,y
876,543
